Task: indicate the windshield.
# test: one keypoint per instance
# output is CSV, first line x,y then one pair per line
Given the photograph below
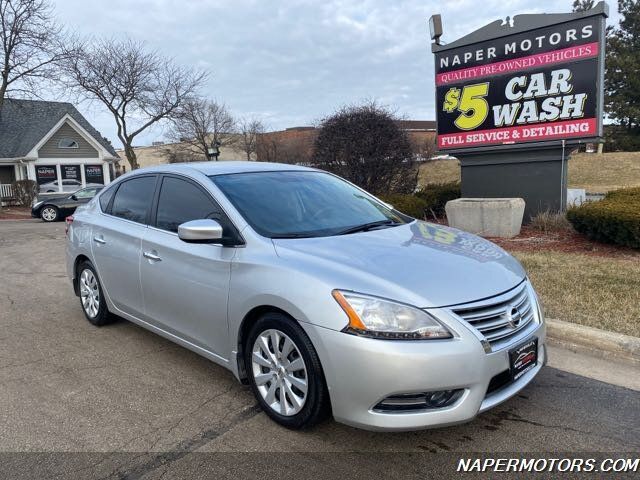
x,y
290,204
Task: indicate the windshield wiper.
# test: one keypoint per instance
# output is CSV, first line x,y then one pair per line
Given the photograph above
x,y
367,226
293,235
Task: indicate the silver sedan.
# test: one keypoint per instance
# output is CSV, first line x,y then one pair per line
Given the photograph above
x,y
322,298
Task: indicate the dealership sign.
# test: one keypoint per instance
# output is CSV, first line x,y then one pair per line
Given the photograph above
x,y
70,172
46,174
505,85
93,174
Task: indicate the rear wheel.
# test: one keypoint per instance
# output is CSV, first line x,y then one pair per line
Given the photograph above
x,y
285,372
49,213
91,297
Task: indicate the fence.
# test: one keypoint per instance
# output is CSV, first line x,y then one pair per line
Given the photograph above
x,y
6,191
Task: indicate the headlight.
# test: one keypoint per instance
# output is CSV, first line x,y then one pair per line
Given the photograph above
x,y
538,305
375,317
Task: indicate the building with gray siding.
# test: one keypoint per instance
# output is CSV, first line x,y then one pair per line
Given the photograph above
x,y
53,144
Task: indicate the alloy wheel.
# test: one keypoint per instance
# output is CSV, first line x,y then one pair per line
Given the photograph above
x,y
49,214
279,372
89,293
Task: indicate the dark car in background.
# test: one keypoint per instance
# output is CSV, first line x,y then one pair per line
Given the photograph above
x,y
53,209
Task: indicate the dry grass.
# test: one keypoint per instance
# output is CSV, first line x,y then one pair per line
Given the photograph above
x,y
600,292
593,172
439,171
549,222
601,173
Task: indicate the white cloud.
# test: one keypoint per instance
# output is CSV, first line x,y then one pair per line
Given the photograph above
x,y
294,61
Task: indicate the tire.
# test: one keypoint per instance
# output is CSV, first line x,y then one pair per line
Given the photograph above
x,y
92,299
267,385
49,213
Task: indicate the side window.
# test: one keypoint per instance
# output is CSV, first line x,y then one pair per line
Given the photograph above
x,y
180,201
86,193
133,199
106,197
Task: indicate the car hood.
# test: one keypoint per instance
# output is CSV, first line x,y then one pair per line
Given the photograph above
x,y
426,264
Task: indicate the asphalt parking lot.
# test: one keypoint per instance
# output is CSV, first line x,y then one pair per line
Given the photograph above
x,y
66,386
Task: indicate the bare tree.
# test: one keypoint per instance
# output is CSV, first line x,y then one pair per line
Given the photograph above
x,y
423,146
364,144
139,87
31,43
199,122
249,131
181,156
289,146
267,148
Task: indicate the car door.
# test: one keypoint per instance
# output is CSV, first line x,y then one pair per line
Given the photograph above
x,y
68,204
186,285
116,242
83,196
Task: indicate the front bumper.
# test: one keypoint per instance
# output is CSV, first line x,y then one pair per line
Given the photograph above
x,y
360,372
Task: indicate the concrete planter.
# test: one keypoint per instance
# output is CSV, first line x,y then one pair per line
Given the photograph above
x,y
576,196
489,217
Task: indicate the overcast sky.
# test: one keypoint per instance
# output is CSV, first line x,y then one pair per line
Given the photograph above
x,y
292,62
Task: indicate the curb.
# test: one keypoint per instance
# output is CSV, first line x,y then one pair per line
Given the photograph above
x,y
600,341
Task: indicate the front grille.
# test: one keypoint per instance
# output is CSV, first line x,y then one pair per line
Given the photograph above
x,y
500,318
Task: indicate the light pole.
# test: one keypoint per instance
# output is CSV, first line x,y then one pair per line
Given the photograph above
x,y
213,152
435,28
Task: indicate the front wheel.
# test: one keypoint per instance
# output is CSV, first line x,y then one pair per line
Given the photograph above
x,y
49,213
285,372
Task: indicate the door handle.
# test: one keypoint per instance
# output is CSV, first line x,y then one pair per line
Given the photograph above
x,y
99,240
152,256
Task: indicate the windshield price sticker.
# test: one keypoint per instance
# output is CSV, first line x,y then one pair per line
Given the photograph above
x,y
535,86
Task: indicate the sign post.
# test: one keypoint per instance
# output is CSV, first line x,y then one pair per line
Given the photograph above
x,y
514,97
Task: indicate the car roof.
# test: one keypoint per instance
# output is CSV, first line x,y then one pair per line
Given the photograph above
x,y
224,167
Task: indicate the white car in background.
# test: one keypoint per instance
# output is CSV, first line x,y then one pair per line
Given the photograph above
x,y
68,186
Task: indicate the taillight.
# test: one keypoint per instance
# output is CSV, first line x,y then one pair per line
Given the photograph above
x,y
67,223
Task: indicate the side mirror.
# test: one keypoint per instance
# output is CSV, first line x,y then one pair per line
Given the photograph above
x,y
203,231
73,197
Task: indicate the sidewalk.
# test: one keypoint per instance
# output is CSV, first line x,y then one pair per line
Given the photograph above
x,y
598,342
614,371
